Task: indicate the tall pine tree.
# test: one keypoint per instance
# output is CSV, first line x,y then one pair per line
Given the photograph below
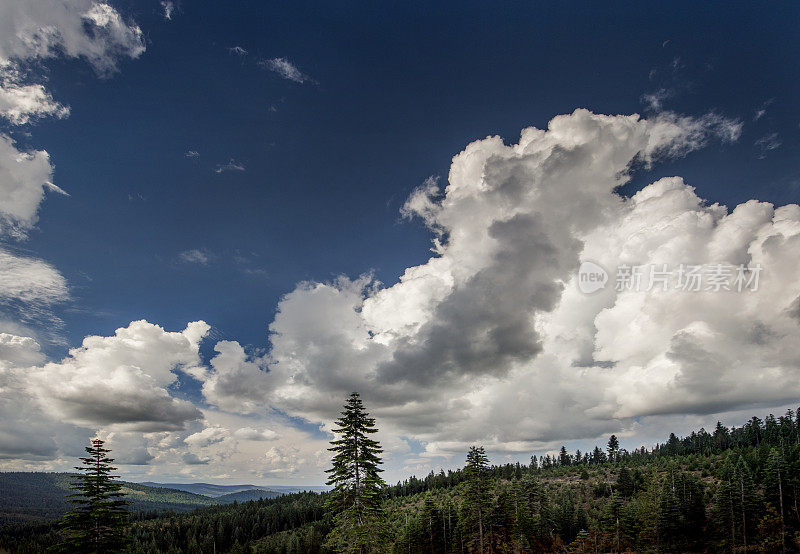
x,y
356,500
477,501
97,522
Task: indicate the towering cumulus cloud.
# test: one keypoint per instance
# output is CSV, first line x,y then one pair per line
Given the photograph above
x,y
492,340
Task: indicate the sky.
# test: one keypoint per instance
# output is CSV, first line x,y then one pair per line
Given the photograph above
x,y
218,219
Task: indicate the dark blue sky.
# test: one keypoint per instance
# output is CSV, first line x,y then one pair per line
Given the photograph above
x,y
397,90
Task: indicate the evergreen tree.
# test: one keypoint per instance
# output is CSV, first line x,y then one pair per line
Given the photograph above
x,y
356,500
477,501
97,522
774,483
624,482
564,457
613,448
743,483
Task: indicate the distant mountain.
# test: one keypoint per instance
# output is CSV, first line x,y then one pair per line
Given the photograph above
x,y
215,491
206,489
34,496
245,496
38,497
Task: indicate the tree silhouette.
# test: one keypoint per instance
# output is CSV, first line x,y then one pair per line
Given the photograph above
x,y
96,523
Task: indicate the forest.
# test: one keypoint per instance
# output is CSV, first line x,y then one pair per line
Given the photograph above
x,y
729,490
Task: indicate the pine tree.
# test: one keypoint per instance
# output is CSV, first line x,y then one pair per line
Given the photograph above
x,y
613,448
743,483
624,482
477,497
96,523
356,500
774,477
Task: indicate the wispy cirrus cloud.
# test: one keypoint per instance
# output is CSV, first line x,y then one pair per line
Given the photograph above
x,y
167,9
762,110
766,144
195,256
286,69
232,165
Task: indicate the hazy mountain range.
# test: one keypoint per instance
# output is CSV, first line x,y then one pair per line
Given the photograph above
x,y
37,496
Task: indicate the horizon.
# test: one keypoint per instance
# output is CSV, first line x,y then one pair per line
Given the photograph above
x,y
514,226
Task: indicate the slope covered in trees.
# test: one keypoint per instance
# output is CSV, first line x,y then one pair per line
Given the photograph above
x,y
733,489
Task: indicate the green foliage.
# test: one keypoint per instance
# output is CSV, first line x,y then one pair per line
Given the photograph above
x,y
355,501
97,521
477,500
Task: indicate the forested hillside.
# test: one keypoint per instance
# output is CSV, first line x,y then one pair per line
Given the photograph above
x,y
29,496
734,489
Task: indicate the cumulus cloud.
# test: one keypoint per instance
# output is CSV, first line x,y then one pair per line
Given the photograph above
x,y
236,382
286,69
24,177
122,380
207,437
493,329
250,434
20,103
94,31
27,432
491,339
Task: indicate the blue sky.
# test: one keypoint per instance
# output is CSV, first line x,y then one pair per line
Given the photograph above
x,y
237,149
398,91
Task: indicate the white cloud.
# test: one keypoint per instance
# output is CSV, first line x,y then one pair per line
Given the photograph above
x,y
76,29
31,31
237,50
250,434
122,380
760,112
167,9
232,165
236,382
30,281
192,154
207,437
490,339
27,433
23,178
286,69
767,143
655,100
20,103
195,256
